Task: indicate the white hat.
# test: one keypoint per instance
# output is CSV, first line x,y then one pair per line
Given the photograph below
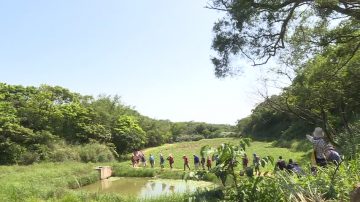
x,y
318,132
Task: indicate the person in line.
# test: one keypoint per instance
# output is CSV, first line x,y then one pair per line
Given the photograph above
x,y
196,162
280,164
171,161
133,160
208,163
319,145
245,161
202,161
152,160
256,163
332,155
186,162
143,160
290,166
162,161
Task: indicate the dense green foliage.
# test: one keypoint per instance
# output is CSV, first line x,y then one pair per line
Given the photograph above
x,y
330,183
324,93
53,124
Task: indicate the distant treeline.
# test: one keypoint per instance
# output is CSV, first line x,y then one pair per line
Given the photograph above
x,y
325,93
49,123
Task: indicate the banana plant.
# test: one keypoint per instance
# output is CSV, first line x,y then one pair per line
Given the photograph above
x,y
228,155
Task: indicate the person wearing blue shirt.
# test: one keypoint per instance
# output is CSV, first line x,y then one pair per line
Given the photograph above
x,y
152,160
196,162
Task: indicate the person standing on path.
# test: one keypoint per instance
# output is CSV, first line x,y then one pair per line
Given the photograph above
x,y
245,161
256,162
186,162
162,161
208,163
202,161
152,160
133,160
196,162
171,161
280,164
143,160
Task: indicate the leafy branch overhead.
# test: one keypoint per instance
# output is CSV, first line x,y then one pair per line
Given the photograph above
x,y
260,30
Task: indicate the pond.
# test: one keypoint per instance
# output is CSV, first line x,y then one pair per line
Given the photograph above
x,y
145,187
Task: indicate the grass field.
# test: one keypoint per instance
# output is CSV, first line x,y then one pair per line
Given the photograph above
x,y
46,180
189,148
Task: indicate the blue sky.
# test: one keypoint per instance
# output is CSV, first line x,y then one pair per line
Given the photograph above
x,y
154,54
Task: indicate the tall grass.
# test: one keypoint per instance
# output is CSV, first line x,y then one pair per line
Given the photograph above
x,y
43,181
122,170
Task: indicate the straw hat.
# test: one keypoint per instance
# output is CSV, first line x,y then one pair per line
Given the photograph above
x,y
318,132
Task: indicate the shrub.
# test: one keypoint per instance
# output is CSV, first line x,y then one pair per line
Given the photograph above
x,y
95,152
62,152
350,140
125,171
28,158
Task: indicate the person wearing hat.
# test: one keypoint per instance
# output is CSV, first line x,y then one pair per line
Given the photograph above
x,y
319,146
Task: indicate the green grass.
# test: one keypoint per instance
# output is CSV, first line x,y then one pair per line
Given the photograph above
x,y
55,182
189,148
46,180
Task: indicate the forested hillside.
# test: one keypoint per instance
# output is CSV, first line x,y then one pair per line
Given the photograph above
x,y
49,123
316,47
325,93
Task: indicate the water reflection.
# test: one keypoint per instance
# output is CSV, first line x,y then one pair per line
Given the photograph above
x,y
145,187
163,186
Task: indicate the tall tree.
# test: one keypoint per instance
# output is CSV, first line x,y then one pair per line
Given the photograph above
x,y
127,135
259,30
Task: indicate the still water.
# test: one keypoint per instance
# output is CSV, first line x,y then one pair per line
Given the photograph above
x,y
145,187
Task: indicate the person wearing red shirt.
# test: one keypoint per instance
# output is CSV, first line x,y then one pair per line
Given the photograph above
x,y
186,162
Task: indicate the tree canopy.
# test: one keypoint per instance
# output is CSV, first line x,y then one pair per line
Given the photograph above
x,y
260,30
51,123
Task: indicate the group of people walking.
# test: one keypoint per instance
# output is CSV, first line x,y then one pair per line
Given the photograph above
x,y
322,154
203,162
138,159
